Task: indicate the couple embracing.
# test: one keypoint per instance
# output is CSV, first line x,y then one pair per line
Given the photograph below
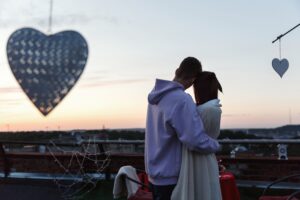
x,y
180,139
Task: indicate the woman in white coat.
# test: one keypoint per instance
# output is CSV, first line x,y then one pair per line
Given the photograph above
x,y
199,173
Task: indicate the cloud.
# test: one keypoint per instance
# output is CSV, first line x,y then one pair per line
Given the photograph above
x,y
10,102
236,115
57,20
19,13
113,82
10,90
96,75
61,20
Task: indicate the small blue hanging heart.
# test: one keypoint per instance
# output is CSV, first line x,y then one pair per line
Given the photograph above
x,y
46,67
280,66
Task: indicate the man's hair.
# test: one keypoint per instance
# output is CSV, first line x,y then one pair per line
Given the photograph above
x,y
189,68
206,87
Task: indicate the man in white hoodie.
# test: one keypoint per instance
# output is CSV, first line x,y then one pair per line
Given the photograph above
x,y
173,120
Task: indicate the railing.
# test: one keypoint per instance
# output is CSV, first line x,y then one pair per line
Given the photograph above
x,y
11,158
223,141
254,164
260,141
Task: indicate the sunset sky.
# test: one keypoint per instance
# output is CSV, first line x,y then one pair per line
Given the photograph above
x,y
132,42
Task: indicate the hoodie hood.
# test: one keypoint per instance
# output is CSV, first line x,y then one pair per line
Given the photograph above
x,y
161,88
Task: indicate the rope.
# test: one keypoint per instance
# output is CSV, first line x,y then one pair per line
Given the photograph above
x,y
50,17
280,49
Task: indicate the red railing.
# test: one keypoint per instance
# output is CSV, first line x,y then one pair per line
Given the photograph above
x,y
244,167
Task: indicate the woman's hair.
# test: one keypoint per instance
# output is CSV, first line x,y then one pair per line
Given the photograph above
x,y
206,87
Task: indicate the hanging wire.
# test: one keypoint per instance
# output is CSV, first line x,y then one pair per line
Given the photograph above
x,y
280,36
280,49
50,17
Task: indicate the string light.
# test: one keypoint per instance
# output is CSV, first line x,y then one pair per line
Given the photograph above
x,y
82,182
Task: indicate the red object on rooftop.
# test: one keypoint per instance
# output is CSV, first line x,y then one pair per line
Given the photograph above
x,y
227,181
228,186
141,195
144,179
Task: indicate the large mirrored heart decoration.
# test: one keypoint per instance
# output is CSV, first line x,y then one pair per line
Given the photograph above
x,y
46,66
280,66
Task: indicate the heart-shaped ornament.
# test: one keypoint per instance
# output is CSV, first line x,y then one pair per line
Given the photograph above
x,y
280,66
46,66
